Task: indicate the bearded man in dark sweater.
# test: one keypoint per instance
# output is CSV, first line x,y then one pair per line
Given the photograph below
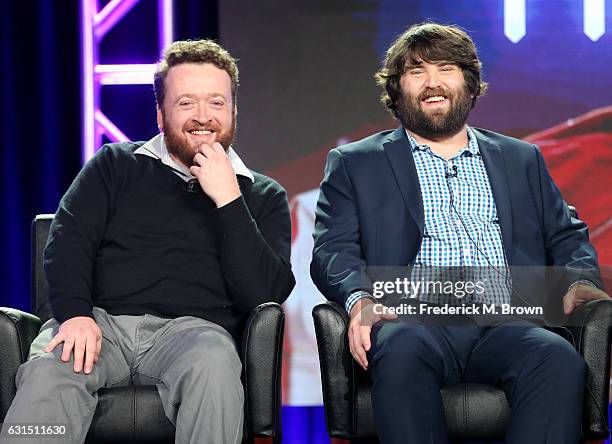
x,y
157,253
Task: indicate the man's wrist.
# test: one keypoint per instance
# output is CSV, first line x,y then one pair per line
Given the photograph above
x,y
356,297
227,199
581,282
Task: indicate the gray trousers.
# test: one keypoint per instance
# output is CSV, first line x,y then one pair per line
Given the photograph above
x,y
194,364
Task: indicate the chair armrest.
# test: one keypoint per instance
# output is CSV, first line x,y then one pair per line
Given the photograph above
x,y
337,368
262,343
17,331
590,325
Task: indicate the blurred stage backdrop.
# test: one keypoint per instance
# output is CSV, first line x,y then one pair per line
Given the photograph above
x,y
306,86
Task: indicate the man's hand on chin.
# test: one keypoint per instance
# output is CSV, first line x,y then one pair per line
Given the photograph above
x,y
82,335
579,294
215,174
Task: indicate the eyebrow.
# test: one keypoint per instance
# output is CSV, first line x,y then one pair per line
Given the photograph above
x,y
208,96
438,63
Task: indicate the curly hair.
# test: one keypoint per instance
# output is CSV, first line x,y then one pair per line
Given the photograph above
x,y
194,51
429,42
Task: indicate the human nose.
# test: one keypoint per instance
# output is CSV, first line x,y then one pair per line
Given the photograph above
x,y
202,115
432,80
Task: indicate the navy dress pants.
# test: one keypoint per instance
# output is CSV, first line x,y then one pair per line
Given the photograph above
x,y
540,372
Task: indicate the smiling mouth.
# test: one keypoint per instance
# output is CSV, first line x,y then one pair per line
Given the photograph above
x,y
434,99
200,132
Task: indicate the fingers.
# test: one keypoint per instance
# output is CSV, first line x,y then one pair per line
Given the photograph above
x,y
68,345
569,303
79,352
579,295
82,338
207,150
356,345
373,318
587,293
90,353
204,148
98,349
572,301
385,315
195,170
218,148
366,330
57,339
199,159
365,339
360,329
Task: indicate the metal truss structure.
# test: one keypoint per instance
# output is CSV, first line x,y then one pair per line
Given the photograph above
x,y
95,24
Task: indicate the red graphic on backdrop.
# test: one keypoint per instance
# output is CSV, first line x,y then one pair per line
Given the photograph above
x,y
579,156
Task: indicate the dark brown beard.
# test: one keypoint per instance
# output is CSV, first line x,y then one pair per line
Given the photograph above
x,y
178,146
439,126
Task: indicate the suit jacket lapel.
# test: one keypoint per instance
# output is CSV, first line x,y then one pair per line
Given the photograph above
x,y
493,159
397,148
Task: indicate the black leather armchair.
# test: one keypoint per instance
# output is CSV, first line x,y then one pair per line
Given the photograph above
x,y
474,412
134,413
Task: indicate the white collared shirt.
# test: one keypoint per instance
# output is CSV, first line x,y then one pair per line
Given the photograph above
x,y
156,148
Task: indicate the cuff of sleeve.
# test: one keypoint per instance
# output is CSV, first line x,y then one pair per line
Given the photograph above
x,y
354,297
235,217
71,308
581,282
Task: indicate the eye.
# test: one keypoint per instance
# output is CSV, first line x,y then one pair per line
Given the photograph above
x,y
186,103
217,103
415,72
447,68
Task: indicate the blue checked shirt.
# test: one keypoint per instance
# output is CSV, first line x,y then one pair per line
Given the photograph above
x,y
461,224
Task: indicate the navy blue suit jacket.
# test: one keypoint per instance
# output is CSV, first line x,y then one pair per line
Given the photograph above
x,y
370,212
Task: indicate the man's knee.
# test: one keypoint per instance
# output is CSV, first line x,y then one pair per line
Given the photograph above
x,y
214,357
47,371
407,350
566,363
560,363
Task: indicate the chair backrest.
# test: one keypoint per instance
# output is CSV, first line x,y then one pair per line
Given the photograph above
x,y
40,288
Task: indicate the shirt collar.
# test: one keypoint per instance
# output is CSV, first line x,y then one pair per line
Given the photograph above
x,y
472,146
156,148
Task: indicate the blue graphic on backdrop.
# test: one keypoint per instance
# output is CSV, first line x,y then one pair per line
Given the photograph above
x,y
555,71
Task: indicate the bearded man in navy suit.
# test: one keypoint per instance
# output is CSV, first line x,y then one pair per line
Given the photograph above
x,y
438,193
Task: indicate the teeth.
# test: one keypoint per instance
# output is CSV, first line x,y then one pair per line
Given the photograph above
x,y
434,99
200,133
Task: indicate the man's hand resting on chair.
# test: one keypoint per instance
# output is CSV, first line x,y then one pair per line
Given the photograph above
x,y
360,326
579,294
84,336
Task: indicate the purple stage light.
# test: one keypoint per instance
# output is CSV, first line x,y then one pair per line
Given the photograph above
x,y
94,26
141,74
165,23
110,129
112,13
87,80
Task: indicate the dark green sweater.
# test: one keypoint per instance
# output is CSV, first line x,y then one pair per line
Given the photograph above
x,y
129,238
